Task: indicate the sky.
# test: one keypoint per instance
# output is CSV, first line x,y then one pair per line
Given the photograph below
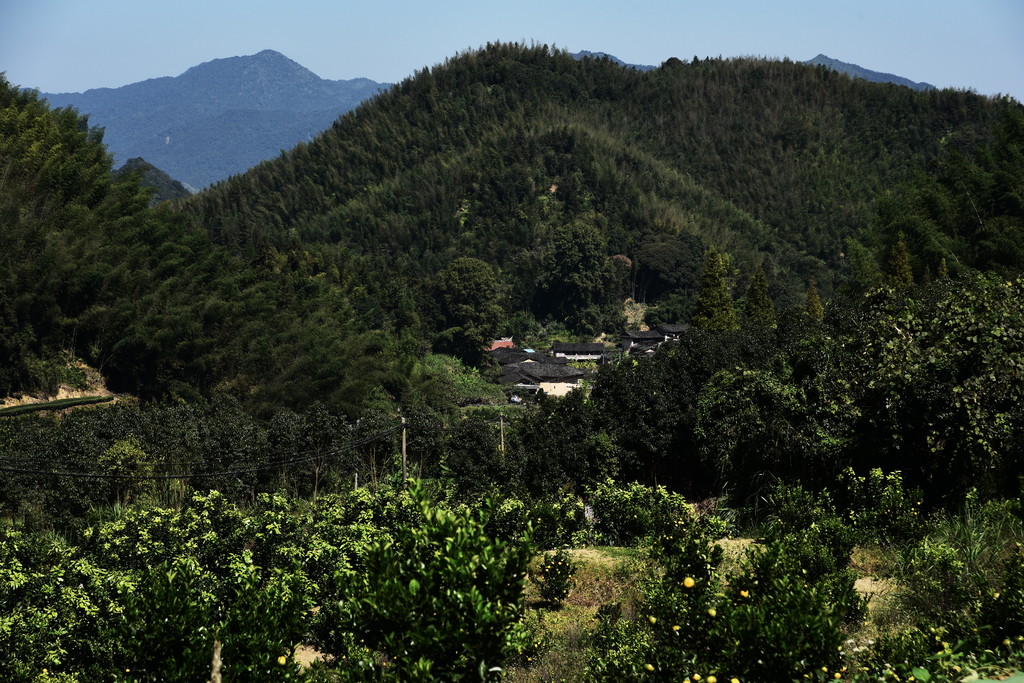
x,y
74,45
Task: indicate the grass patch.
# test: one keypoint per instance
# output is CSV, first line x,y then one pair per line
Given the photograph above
x,y
604,575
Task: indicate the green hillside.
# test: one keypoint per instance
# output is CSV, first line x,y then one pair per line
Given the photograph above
x,y
492,153
808,485
88,269
571,185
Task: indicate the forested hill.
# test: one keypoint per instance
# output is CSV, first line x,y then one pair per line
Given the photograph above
x,y
326,274
88,271
500,153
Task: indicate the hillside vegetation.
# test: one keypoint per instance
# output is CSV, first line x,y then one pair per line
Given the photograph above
x,y
496,152
314,460
88,269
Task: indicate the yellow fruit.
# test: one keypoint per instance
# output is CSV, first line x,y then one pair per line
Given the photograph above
x,y
689,582
712,612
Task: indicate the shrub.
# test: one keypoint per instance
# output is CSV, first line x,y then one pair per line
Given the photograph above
x,y
558,521
554,577
776,623
791,508
880,507
1002,611
769,621
54,603
508,519
949,575
627,514
619,647
443,600
172,621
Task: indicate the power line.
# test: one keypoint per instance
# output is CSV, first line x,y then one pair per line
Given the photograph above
x,y
194,475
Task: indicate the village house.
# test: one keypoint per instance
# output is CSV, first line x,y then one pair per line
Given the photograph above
x,y
641,341
554,379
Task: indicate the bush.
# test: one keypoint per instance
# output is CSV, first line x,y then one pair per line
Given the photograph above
x,y
881,508
508,519
777,623
626,515
949,575
559,521
554,577
619,647
172,621
54,605
1003,611
771,620
443,600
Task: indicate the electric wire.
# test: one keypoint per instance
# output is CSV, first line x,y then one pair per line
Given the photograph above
x,y
198,475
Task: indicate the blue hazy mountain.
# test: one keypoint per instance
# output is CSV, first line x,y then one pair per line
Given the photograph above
x,y
855,71
220,117
851,70
598,55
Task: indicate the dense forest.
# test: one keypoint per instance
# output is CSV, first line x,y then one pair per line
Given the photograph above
x,y
306,447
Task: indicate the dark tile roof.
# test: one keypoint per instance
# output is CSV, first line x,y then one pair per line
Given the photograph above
x,y
539,372
644,335
512,356
506,356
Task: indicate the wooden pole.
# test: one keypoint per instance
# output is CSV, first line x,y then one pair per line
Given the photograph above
x,y
404,478
501,427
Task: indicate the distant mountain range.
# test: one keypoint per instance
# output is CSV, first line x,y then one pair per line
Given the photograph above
x,y
598,55
855,71
852,70
218,118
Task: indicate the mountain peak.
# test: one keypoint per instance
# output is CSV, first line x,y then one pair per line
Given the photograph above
x,y
856,71
268,63
219,117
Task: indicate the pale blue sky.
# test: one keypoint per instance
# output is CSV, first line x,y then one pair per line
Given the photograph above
x,y
73,45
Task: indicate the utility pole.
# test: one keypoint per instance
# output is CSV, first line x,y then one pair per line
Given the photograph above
x,y
405,483
501,428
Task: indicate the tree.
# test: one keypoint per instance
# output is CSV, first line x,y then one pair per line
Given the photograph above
x,y
443,599
813,307
901,275
126,459
576,278
469,294
866,274
759,308
713,307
